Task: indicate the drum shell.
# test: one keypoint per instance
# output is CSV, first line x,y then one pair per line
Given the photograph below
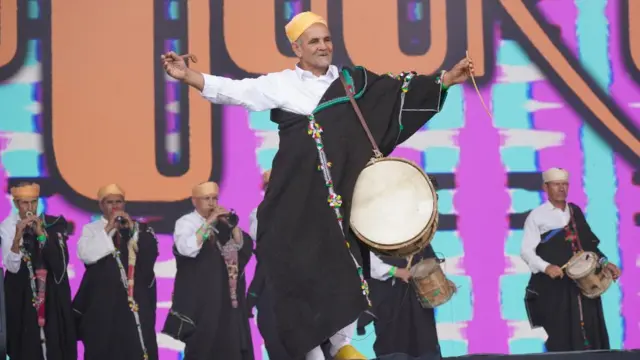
x,y
430,284
592,284
410,246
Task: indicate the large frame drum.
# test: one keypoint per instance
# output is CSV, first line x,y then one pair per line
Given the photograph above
x,y
394,207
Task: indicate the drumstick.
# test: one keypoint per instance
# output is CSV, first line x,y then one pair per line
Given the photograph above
x,y
473,80
187,57
409,262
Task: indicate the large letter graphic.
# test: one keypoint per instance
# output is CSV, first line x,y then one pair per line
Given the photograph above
x,y
375,43
103,89
8,30
575,84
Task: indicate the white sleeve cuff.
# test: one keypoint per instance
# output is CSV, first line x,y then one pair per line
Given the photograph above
x,y
93,248
379,270
12,262
211,86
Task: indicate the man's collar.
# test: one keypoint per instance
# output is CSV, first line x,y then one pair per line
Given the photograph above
x,y
332,73
550,206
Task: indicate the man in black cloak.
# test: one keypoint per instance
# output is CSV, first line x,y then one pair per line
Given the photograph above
x,y
553,233
209,311
115,306
37,292
314,264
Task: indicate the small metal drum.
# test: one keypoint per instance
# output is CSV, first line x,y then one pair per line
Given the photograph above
x,y
585,270
394,207
431,285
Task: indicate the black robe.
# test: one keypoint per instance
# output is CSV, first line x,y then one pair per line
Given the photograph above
x,y
201,315
316,287
260,295
106,326
402,324
23,332
553,303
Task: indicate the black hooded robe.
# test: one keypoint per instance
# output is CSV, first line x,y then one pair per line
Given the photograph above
x,y
201,315
402,324
316,287
23,332
260,295
553,303
106,326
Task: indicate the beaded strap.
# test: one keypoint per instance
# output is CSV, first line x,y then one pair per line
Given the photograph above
x,y
128,283
334,199
38,299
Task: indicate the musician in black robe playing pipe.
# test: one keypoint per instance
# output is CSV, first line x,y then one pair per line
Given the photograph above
x,y
401,324
209,311
318,281
553,233
114,320
37,293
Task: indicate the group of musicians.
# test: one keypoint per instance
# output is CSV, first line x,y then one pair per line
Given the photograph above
x,y
314,280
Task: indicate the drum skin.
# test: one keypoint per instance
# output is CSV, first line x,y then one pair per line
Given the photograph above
x,y
394,208
582,268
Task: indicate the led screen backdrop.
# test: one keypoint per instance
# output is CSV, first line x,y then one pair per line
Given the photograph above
x,y
84,102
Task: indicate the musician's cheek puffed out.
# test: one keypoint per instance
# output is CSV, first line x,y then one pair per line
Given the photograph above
x,y
311,258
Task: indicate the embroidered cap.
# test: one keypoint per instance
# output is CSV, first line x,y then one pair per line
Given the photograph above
x,y
300,23
111,189
204,189
26,191
555,174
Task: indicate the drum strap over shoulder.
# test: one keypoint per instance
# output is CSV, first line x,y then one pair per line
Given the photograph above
x,y
350,91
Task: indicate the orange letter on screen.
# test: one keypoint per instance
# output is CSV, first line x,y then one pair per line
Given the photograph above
x,y
374,44
103,99
8,30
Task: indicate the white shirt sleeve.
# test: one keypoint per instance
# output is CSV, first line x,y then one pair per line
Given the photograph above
x,y
379,270
255,94
11,260
253,224
530,240
94,244
184,236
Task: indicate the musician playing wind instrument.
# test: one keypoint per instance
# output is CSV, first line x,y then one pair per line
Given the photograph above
x,y
553,233
37,293
314,264
115,306
209,311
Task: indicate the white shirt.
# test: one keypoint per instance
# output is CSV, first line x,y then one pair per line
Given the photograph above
x,y
544,218
184,234
297,91
94,243
379,270
10,259
253,224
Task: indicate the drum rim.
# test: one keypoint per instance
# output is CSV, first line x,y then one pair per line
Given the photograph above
x,y
424,231
573,260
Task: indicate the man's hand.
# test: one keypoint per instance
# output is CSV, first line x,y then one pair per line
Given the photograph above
x,y
613,270
176,67
554,272
113,224
38,226
215,214
459,73
403,274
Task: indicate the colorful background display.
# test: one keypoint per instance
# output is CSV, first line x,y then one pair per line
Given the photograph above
x,y
84,102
